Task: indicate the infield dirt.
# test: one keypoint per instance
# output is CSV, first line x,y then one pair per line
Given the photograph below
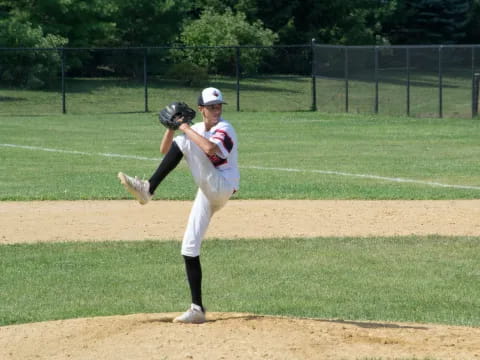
x,y
232,335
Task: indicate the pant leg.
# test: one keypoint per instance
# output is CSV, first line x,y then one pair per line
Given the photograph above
x,y
213,193
198,221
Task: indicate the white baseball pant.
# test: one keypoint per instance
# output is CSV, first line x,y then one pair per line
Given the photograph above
x,y
213,193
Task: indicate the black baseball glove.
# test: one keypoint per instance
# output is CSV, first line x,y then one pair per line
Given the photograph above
x,y
175,114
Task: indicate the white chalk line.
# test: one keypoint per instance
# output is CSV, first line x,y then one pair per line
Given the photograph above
x,y
376,177
133,157
323,172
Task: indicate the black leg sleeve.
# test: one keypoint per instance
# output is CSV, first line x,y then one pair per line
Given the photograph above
x,y
169,162
194,277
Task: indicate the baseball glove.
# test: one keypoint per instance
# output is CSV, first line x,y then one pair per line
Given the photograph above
x,y
175,114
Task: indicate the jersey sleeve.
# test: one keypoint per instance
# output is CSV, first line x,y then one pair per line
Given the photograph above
x,y
224,139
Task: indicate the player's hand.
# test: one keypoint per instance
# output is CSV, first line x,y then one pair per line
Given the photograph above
x,y
184,126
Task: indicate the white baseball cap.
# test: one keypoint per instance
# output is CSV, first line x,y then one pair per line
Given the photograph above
x,y
210,96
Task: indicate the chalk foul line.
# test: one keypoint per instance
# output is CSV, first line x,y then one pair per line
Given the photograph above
x,y
324,172
368,176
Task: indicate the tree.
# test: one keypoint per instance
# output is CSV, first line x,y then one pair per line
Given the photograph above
x,y
103,23
152,23
82,22
429,22
328,21
28,68
274,14
473,25
277,15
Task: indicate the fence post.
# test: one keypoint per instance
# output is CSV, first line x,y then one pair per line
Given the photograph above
x,y
408,79
376,79
237,70
440,82
346,78
314,78
62,56
476,85
145,78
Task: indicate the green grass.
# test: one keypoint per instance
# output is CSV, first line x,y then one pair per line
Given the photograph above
x,y
419,279
271,93
124,95
392,95
282,156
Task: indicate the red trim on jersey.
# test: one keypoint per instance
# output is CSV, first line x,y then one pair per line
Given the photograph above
x,y
216,160
224,138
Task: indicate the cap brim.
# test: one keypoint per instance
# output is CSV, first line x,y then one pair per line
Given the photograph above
x,y
214,102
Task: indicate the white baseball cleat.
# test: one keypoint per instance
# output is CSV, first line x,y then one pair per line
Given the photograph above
x,y
136,187
194,315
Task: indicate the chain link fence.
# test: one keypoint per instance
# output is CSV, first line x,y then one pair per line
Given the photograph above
x,y
420,81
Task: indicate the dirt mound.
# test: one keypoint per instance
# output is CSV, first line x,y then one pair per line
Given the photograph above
x,y
234,336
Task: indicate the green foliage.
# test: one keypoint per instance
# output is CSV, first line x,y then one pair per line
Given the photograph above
x,y
188,74
158,22
83,23
473,24
103,23
29,69
440,21
133,23
153,22
429,21
333,21
227,29
344,21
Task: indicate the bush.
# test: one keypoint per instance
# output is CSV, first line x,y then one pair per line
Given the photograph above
x,y
212,30
30,68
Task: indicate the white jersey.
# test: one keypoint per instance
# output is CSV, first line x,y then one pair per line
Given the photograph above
x,y
226,161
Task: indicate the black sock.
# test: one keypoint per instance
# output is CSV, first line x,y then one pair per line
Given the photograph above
x,y
194,276
169,162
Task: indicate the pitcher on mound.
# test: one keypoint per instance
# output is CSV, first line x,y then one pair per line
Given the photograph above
x,y
210,149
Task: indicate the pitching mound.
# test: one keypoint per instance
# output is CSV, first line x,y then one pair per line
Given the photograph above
x,y
234,336
227,335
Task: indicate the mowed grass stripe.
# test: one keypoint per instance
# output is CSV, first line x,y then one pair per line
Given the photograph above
x,y
260,168
419,279
282,156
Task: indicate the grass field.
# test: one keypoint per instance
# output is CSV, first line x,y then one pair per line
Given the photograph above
x,y
299,155
415,279
270,93
282,156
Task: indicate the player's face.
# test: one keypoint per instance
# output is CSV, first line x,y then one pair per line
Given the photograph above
x,y
212,113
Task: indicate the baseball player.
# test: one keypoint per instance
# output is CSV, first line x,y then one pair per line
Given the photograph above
x,y
210,150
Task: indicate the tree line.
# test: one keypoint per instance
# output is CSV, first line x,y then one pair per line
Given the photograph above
x,y
114,23
187,23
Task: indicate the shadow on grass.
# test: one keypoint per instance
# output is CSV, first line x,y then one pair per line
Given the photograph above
x,y
85,85
11,98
